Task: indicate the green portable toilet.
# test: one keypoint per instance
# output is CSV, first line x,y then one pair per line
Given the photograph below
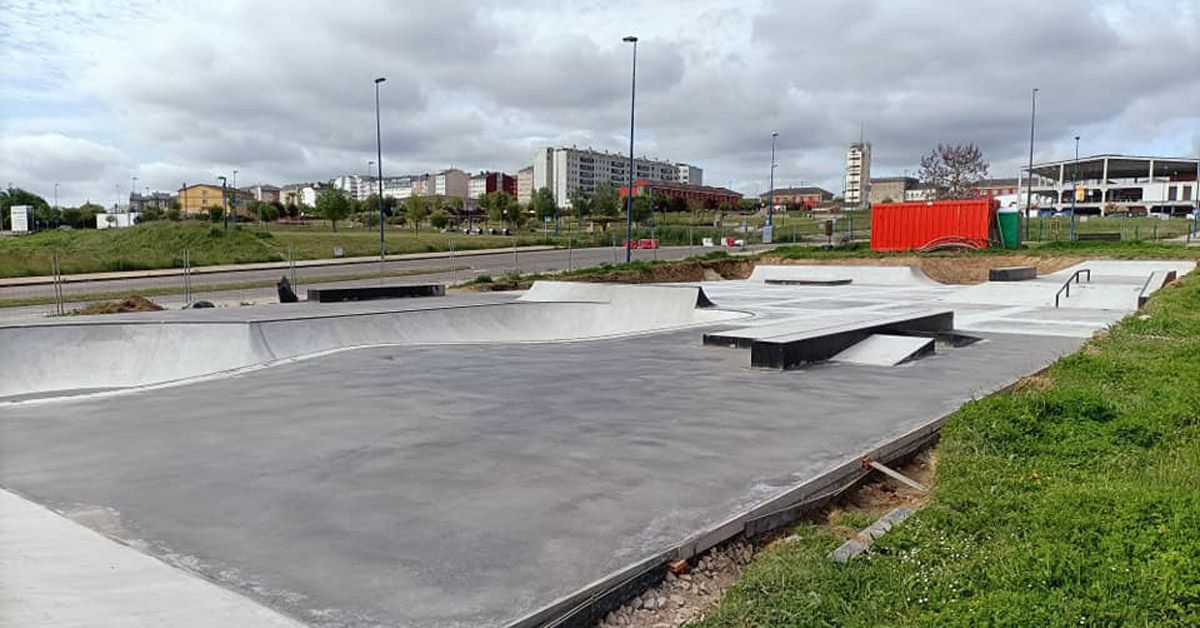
x,y
1010,227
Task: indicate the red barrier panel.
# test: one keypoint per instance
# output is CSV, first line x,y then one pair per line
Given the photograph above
x,y
908,226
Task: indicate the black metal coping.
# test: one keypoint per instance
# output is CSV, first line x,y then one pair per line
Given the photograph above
x,y
807,282
1012,273
366,293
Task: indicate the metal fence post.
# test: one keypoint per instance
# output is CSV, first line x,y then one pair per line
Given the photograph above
x,y
570,255
58,290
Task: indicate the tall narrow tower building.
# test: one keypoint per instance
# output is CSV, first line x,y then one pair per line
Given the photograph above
x,y
858,174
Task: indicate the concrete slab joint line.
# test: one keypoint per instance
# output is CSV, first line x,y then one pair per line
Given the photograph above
x,y
864,539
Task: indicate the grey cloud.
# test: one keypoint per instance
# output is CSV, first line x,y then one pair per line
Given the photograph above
x,y
282,90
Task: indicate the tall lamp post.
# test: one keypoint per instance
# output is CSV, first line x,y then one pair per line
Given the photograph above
x,y
771,185
1074,183
379,164
224,204
629,197
1029,180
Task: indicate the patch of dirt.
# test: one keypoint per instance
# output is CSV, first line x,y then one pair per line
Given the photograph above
x,y
707,270
948,269
685,598
131,303
1033,383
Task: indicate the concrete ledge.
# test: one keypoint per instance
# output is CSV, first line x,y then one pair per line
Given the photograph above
x,y
368,293
792,350
1012,273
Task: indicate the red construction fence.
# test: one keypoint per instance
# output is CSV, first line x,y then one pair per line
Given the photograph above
x,y
908,226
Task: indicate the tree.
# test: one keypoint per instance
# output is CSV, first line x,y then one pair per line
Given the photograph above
x,y
439,219
543,204
953,170
416,208
215,213
333,205
677,204
581,205
643,208
71,216
605,201
17,196
87,214
500,207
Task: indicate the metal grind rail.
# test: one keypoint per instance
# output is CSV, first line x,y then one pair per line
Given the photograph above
x,y
1067,286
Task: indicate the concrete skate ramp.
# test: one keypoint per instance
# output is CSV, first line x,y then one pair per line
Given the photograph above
x,y
1114,286
40,359
885,350
817,274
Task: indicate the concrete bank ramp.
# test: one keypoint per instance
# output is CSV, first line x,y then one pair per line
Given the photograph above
x,y
1113,286
823,273
93,354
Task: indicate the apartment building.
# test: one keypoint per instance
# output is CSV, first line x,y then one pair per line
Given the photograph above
x,y
487,182
525,185
197,198
564,170
690,175
858,174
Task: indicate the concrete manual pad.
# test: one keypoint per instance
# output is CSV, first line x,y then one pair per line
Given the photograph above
x,y
443,482
885,350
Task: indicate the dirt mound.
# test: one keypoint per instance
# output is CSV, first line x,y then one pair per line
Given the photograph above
x,y
949,269
131,303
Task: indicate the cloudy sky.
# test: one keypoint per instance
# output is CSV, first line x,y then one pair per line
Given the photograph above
x,y
96,92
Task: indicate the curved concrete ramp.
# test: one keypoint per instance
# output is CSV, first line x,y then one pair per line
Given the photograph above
x,y
669,296
819,273
92,354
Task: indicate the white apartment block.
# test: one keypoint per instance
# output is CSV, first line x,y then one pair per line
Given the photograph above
x,y
858,174
690,175
565,170
355,186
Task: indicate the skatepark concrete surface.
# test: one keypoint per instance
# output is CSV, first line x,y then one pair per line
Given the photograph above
x,y
458,461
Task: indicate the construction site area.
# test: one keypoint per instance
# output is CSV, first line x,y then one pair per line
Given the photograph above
x,y
535,457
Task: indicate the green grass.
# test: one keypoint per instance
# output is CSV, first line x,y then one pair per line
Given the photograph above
x,y
161,245
1077,504
155,245
208,289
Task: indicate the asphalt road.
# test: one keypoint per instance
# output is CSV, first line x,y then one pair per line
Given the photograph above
x,y
436,268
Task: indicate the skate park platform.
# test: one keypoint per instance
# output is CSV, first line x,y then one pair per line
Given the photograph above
x,y
479,461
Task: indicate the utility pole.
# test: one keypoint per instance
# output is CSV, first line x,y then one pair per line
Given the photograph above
x,y
224,203
1029,179
629,197
379,164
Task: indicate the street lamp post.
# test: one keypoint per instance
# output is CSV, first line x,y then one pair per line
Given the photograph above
x,y
1074,183
379,164
771,184
224,204
629,197
1029,180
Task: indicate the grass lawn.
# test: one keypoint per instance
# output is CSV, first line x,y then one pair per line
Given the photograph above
x,y
1073,502
161,245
